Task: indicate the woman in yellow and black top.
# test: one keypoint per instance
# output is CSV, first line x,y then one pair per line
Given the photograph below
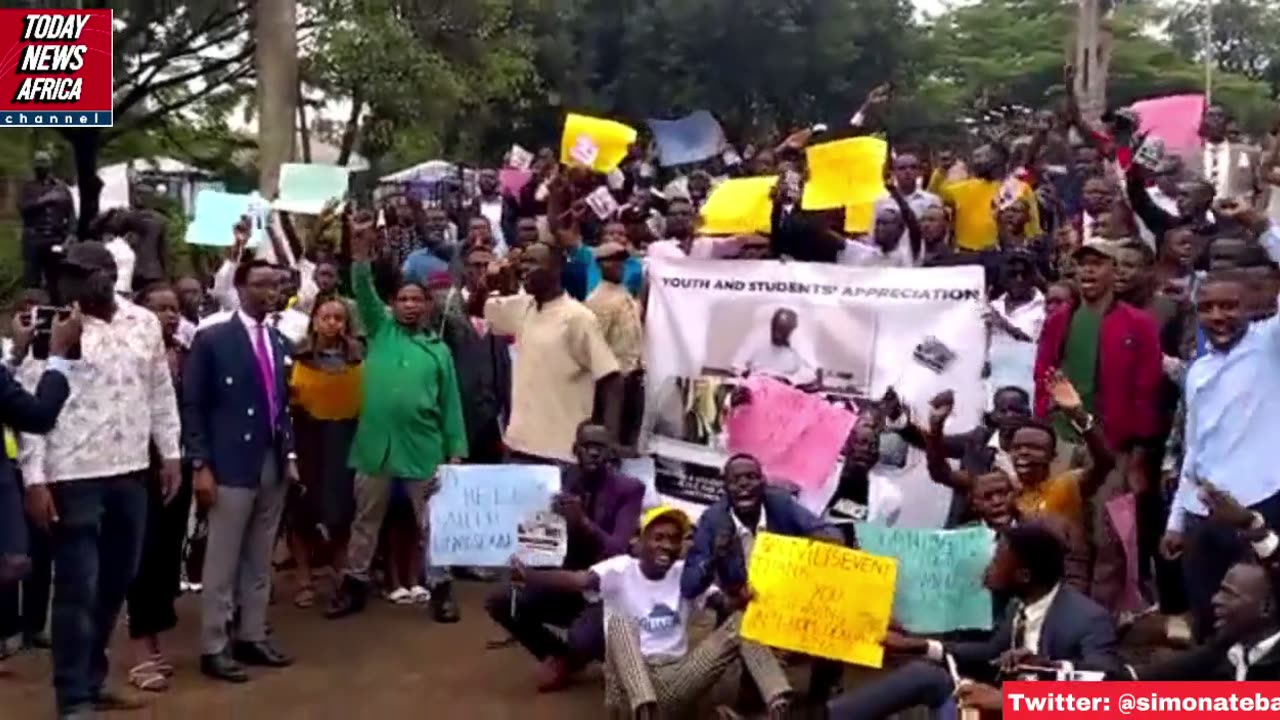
x,y
325,390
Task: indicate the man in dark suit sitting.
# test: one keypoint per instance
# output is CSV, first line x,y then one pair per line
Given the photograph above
x,y
239,438
1049,624
1244,645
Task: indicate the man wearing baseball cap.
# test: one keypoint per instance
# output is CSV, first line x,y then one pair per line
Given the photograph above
x,y
86,480
649,668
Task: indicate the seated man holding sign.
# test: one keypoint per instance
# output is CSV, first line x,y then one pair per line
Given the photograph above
x,y
649,669
601,510
1048,625
726,534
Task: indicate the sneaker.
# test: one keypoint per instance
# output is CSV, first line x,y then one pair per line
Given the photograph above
x,y
400,596
419,595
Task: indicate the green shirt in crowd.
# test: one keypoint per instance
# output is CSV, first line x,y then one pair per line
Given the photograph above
x,y
411,413
1080,363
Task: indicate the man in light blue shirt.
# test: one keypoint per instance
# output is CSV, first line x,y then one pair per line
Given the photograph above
x,y
1232,395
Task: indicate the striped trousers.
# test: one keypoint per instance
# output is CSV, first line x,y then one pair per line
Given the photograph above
x,y
674,684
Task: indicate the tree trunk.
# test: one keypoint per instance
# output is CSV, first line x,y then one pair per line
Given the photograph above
x,y
1092,60
85,143
352,130
276,57
304,132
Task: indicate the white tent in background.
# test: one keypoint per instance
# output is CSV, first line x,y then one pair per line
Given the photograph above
x,y
161,175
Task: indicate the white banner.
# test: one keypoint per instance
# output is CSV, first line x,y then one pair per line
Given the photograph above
x,y
847,333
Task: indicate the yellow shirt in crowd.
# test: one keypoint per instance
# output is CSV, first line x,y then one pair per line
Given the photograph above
x,y
327,395
1059,495
974,201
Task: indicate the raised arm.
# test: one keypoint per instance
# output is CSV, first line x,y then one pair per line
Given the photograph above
x,y
1064,397
373,313
940,471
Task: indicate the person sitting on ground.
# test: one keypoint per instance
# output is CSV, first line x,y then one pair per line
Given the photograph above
x,y
726,535
649,669
601,508
1048,625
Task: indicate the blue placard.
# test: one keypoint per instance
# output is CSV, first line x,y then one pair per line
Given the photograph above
x,y
939,575
476,517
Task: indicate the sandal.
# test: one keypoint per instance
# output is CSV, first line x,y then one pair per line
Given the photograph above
x,y
305,598
162,666
148,677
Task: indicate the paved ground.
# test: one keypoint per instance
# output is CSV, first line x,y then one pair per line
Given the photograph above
x,y
392,662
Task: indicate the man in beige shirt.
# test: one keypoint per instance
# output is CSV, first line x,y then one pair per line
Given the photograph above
x,y
619,316
562,362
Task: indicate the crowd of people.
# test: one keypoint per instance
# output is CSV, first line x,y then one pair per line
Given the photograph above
x,y
169,434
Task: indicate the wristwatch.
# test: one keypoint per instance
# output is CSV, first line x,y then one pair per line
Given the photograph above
x,y
197,464
1085,427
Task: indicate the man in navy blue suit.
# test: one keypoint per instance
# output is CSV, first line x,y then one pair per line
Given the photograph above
x,y
21,411
239,438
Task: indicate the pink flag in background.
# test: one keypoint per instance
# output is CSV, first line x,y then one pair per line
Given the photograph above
x,y
513,181
1174,119
797,436
1122,511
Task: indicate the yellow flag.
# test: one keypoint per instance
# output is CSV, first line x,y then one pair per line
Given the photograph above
x,y
844,173
820,599
739,206
595,142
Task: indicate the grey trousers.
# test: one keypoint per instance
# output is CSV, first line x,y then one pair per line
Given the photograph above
x,y
237,565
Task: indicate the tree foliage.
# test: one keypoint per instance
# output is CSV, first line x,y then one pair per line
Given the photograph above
x,y
1245,37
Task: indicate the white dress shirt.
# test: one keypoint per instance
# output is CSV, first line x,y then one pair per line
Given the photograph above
x,y
1217,167
121,400
867,254
291,323
1013,361
1033,616
748,535
1241,659
780,361
1233,406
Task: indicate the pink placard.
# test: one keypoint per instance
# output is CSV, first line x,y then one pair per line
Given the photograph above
x,y
1174,119
513,180
797,436
1122,511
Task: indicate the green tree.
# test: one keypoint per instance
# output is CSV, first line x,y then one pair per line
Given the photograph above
x,y
997,52
167,59
1245,39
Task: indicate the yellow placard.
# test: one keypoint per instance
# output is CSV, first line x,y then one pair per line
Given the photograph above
x,y
844,173
820,599
593,142
739,206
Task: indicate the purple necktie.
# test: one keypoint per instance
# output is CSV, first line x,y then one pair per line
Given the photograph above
x,y
265,373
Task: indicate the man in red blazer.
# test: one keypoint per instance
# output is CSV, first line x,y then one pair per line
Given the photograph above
x,y
1109,350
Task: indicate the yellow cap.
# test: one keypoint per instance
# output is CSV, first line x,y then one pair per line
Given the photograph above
x,y
653,514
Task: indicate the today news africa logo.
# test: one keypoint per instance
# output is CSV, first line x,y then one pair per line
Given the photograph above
x,y
56,68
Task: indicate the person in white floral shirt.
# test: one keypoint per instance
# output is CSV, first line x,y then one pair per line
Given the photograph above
x,y
85,480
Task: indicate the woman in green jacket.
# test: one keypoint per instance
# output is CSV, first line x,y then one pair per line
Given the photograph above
x,y
410,423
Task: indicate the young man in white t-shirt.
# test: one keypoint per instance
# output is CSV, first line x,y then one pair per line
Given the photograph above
x,y
649,668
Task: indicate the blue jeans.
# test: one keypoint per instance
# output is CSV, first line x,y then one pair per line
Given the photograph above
x,y
96,543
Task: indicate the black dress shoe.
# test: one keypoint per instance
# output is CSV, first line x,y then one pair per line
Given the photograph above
x,y
349,600
39,641
223,667
443,608
261,654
